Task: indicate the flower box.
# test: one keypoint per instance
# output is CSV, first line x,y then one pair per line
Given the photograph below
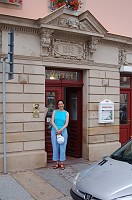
x,y
16,2
70,4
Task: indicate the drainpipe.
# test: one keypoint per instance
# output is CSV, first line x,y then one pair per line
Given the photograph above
x,y
4,111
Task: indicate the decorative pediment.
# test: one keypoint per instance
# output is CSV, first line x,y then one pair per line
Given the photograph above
x,y
83,23
73,23
87,17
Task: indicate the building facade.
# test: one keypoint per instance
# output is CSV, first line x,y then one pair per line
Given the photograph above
x,y
68,56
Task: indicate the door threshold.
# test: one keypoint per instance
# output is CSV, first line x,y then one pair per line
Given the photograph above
x,y
71,160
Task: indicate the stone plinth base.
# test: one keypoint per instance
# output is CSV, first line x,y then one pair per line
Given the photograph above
x,y
97,151
25,160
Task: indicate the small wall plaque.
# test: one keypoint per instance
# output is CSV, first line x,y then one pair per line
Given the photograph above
x,y
35,110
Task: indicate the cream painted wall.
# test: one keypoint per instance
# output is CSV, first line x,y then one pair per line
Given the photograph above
x,y
24,44
106,54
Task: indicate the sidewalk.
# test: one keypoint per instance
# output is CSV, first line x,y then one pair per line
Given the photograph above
x,y
42,184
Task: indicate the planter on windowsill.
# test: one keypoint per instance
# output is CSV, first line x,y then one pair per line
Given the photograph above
x,y
12,2
72,5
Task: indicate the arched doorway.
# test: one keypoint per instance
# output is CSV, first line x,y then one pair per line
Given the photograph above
x,y
66,85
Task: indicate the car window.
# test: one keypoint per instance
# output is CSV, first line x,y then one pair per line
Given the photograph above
x,y
124,153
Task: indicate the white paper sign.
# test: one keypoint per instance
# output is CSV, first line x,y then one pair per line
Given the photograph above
x,y
106,111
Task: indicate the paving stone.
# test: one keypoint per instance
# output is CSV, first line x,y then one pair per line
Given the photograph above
x,y
59,182
36,186
10,189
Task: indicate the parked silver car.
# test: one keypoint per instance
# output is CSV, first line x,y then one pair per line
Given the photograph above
x,y
108,179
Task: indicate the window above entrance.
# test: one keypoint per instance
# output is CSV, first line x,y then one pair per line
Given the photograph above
x,y
125,82
62,75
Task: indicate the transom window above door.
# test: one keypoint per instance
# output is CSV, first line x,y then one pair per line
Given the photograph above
x,y
62,75
125,82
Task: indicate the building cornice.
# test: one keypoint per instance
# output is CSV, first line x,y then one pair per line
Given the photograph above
x,y
118,40
116,43
19,28
19,24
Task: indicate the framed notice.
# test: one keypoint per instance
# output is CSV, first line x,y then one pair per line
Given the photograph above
x,y
106,111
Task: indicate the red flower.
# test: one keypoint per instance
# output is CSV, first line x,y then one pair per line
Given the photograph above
x,y
71,4
15,1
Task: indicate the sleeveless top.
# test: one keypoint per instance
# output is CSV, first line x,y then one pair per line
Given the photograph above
x,y
59,119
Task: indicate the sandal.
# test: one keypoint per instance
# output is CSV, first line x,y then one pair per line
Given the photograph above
x,y
62,166
56,166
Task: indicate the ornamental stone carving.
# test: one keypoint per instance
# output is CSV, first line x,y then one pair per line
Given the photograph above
x,y
68,50
91,48
46,43
72,23
125,57
122,57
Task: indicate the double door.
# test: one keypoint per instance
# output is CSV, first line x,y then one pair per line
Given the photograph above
x,y
72,97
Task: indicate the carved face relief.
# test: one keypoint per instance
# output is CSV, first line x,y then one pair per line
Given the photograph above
x,y
125,57
91,48
45,40
45,43
122,57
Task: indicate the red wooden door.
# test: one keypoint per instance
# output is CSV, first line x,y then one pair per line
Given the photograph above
x,y
74,107
125,115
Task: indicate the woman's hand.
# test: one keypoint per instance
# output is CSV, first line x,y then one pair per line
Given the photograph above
x,y
58,132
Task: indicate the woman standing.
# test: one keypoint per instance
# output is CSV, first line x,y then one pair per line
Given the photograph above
x,y
59,121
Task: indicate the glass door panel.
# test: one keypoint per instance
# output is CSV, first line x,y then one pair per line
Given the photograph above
x,y
123,108
73,114
50,104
